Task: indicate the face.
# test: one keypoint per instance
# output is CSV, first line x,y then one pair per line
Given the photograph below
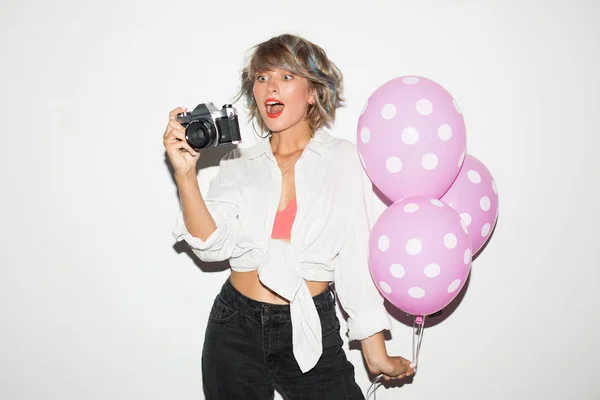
x,y
282,99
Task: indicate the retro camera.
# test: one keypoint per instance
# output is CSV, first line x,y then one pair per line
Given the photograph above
x,y
207,126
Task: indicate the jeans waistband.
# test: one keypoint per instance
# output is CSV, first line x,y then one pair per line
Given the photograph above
x,y
253,308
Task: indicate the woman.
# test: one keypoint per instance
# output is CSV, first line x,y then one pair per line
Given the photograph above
x,y
291,215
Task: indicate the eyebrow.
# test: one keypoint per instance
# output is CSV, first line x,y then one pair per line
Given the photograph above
x,y
286,71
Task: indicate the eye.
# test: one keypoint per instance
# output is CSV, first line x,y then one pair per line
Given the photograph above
x,y
288,77
261,78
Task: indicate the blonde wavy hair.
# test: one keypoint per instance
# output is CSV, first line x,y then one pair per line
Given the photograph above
x,y
302,58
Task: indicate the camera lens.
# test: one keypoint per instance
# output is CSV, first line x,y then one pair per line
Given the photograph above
x,y
200,134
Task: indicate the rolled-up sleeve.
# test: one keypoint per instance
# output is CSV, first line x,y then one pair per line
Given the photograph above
x,y
222,201
353,283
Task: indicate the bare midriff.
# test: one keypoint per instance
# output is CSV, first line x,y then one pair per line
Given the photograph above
x,y
248,284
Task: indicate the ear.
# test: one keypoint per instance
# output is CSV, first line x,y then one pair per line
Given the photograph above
x,y
312,97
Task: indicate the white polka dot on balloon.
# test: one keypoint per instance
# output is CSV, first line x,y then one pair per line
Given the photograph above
x,y
411,207
432,270
364,107
410,135
445,132
467,256
383,243
456,106
450,240
365,135
437,203
474,176
385,287
397,270
416,292
453,286
485,229
467,218
413,247
388,111
393,164
485,203
429,161
424,107
410,80
494,188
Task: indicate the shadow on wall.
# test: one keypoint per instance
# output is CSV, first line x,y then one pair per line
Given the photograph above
x,y
208,158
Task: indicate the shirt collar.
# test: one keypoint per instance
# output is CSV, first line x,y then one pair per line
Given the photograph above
x,y
319,144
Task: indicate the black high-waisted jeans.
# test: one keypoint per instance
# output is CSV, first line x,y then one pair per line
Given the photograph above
x,y
248,352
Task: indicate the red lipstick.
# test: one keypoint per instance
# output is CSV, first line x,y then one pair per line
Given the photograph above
x,y
273,107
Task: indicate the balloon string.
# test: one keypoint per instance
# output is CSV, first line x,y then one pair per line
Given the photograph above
x,y
418,325
373,387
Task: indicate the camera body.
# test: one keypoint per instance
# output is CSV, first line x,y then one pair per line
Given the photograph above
x,y
207,126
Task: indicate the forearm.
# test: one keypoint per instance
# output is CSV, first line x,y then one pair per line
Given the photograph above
x,y
373,349
198,220
379,362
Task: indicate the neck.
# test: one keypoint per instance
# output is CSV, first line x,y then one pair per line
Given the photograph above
x,y
291,140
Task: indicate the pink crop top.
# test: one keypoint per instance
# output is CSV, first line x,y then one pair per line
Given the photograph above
x,y
282,227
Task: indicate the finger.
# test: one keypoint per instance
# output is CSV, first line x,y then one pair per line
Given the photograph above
x,y
171,136
181,146
403,369
168,130
412,367
174,132
407,365
400,366
178,110
394,378
173,123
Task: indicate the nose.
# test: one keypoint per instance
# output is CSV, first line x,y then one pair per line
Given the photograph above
x,y
272,86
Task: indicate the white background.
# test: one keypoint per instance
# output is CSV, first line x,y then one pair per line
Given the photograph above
x,y
96,301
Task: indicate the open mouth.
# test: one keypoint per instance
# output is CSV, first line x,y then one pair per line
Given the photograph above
x,y
274,108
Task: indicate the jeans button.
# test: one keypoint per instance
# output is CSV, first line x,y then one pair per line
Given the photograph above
x,y
265,317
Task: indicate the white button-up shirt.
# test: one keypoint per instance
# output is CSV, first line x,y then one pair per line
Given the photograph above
x,y
329,238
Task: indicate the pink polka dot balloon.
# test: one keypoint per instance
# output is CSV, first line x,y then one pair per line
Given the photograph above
x,y
419,255
411,138
474,196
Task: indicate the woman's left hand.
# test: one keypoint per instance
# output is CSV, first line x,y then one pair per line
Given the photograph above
x,y
379,362
391,367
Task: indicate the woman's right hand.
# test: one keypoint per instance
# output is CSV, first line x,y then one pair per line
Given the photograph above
x,y
183,158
